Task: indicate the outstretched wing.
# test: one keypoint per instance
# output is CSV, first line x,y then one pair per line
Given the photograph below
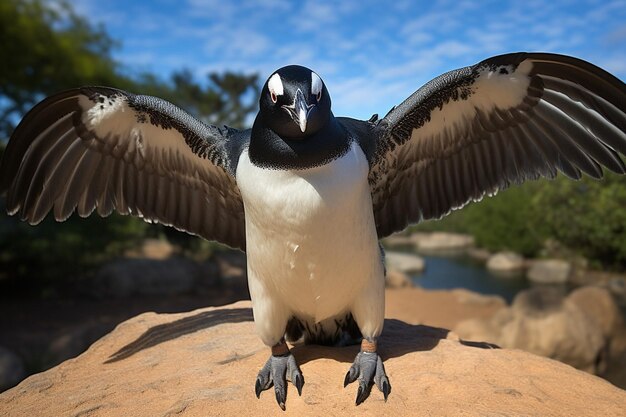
x,y
98,148
476,130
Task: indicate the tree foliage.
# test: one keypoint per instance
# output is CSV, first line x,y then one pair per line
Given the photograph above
x,y
46,49
588,217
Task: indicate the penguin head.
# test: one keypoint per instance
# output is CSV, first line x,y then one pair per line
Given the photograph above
x,y
294,102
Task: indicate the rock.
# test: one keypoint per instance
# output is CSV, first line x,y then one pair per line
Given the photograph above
x,y
153,249
11,369
404,262
232,266
397,279
617,286
598,304
538,301
473,298
542,321
72,343
398,239
444,242
125,277
205,362
549,271
506,262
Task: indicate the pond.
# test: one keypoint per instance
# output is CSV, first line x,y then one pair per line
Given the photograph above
x,y
449,272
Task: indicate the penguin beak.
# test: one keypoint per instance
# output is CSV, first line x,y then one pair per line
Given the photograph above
x,y
299,110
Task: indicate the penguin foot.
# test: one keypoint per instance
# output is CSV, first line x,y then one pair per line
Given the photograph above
x,y
277,371
368,368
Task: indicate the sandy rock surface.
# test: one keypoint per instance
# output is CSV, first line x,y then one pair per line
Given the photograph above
x,y
204,363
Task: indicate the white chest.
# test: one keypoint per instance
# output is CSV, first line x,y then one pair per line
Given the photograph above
x,y
311,238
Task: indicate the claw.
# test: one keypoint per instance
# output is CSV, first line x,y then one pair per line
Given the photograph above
x,y
257,388
362,393
299,384
359,400
346,380
386,390
280,398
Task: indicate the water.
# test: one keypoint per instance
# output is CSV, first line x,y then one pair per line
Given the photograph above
x,y
449,272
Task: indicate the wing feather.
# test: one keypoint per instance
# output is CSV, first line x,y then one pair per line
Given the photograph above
x,y
476,130
104,150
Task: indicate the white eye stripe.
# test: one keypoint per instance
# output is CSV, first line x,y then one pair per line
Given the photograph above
x,y
275,85
316,84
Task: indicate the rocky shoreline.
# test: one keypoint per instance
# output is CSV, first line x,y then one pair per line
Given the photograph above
x,y
544,271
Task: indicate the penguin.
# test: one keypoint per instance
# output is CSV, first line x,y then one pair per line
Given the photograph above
x,y
308,195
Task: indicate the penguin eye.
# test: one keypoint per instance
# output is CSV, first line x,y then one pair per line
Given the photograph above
x,y
316,86
275,87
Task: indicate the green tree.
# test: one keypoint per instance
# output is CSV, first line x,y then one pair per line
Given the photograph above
x,y
506,221
46,49
225,98
587,216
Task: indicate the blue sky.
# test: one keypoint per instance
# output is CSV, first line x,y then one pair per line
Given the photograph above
x,y
371,55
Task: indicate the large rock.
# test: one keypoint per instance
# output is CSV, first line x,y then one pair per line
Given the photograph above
x,y
549,271
444,242
404,262
153,249
544,322
205,363
130,276
599,306
398,240
73,342
11,369
506,263
397,279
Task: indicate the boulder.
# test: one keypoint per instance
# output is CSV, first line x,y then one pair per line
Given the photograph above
x,y
153,249
545,322
465,296
232,265
617,286
404,262
398,240
598,305
505,262
205,362
549,271
444,242
73,342
128,276
11,369
397,279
